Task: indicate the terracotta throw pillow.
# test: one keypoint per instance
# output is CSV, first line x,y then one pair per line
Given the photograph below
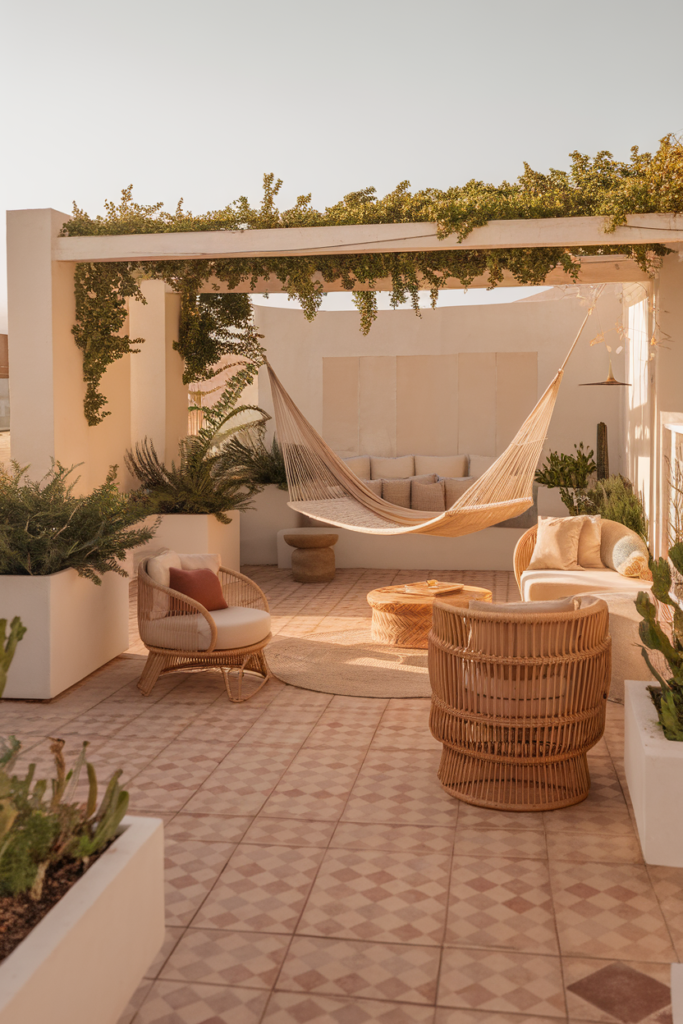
x,y
557,543
201,585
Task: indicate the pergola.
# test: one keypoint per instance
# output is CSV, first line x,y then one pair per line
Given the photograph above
x,y
146,393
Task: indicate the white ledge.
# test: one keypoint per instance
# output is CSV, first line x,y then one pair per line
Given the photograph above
x,y
641,229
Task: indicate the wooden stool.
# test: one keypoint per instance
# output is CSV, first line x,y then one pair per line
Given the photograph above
x,y
313,559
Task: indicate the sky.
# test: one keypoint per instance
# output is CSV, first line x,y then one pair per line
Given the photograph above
x,y
200,99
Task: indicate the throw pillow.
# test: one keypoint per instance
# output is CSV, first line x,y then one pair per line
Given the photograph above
x,y
392,469
201,585
158,567
557,543
589,543
442,465
480,463
212,562
375,486
397,492
360,465
428,497
618,545
456,487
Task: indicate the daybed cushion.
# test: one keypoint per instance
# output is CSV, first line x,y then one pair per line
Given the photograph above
x,y
236,627
622,549
360,465
549,584
392,469
442,465
428,497
627,661
557,543
375,486
480,463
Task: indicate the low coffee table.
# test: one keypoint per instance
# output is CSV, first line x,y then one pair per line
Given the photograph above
x,y
404,620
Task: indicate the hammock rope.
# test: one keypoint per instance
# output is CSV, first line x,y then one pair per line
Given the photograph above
x,y
323,487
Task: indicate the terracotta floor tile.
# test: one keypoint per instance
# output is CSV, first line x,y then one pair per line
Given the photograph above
x,y
617,992
316,784
593,847
483,817
289,832
209,956
207,828
379,896
368,970
176,1002
191,870
608,910
243,781
263,890
351,835
401,787
476,979
501,903
604,816
502,842
447,1016
294,1008
170,942
136,1001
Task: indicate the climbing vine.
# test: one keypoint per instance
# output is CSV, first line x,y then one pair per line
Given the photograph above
x,y
215,324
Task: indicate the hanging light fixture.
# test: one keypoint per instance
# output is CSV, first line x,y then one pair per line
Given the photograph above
x,y
611,381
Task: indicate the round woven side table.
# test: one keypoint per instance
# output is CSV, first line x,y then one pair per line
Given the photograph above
x,y
404,620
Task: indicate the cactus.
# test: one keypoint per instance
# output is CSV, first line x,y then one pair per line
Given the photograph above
x,y
603,452
668,698
8,645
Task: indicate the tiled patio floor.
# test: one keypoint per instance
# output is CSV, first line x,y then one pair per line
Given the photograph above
x,y
316,871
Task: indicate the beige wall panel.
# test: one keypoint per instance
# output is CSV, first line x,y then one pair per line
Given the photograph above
x,y
427,405
176,391
340,404
516,393
477,403
377,420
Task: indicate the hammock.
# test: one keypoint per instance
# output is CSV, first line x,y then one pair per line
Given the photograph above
x,y
323,487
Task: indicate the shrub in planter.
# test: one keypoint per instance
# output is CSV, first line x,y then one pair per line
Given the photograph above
x,y
668,642
248,458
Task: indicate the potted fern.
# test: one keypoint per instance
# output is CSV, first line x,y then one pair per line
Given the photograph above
x,y
60,570
198,498
654,718
81,887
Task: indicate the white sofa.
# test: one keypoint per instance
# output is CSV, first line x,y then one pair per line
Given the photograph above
x,y
619,592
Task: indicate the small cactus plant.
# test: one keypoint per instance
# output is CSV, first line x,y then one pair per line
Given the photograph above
x,y
668,697
8,646
603,452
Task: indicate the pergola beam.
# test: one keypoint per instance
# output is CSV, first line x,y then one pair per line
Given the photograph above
x,y
570,232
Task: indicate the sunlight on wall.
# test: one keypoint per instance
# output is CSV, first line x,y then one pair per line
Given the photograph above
x,y
638,407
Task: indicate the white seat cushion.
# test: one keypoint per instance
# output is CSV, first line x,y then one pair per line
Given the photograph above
x,y
549,584
235,627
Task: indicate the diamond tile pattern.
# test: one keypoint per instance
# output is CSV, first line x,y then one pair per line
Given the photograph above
x,y
317,871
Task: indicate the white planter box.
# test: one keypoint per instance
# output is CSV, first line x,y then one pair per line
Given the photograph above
x,y
82,963
677,993
194,535
654,773
488,549
73,627
261,524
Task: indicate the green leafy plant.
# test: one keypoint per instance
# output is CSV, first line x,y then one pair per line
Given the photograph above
x,y
41,826
8,646
45,527
614,498
668,642
251,460
200,482
571,474
594,186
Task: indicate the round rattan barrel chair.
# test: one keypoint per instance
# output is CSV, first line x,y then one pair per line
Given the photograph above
x,y
517,700
180,633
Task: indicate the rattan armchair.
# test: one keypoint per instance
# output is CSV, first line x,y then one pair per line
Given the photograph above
x,y
517,700
179,632
524,551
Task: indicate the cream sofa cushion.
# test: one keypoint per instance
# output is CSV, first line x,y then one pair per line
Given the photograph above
x,y
548,584
429,497
480,463
158,567
235,627
360,465
442,465
392,469
212,562
623,550
557,543
589,543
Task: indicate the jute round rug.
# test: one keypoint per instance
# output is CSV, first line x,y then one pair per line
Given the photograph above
x,y
349,663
